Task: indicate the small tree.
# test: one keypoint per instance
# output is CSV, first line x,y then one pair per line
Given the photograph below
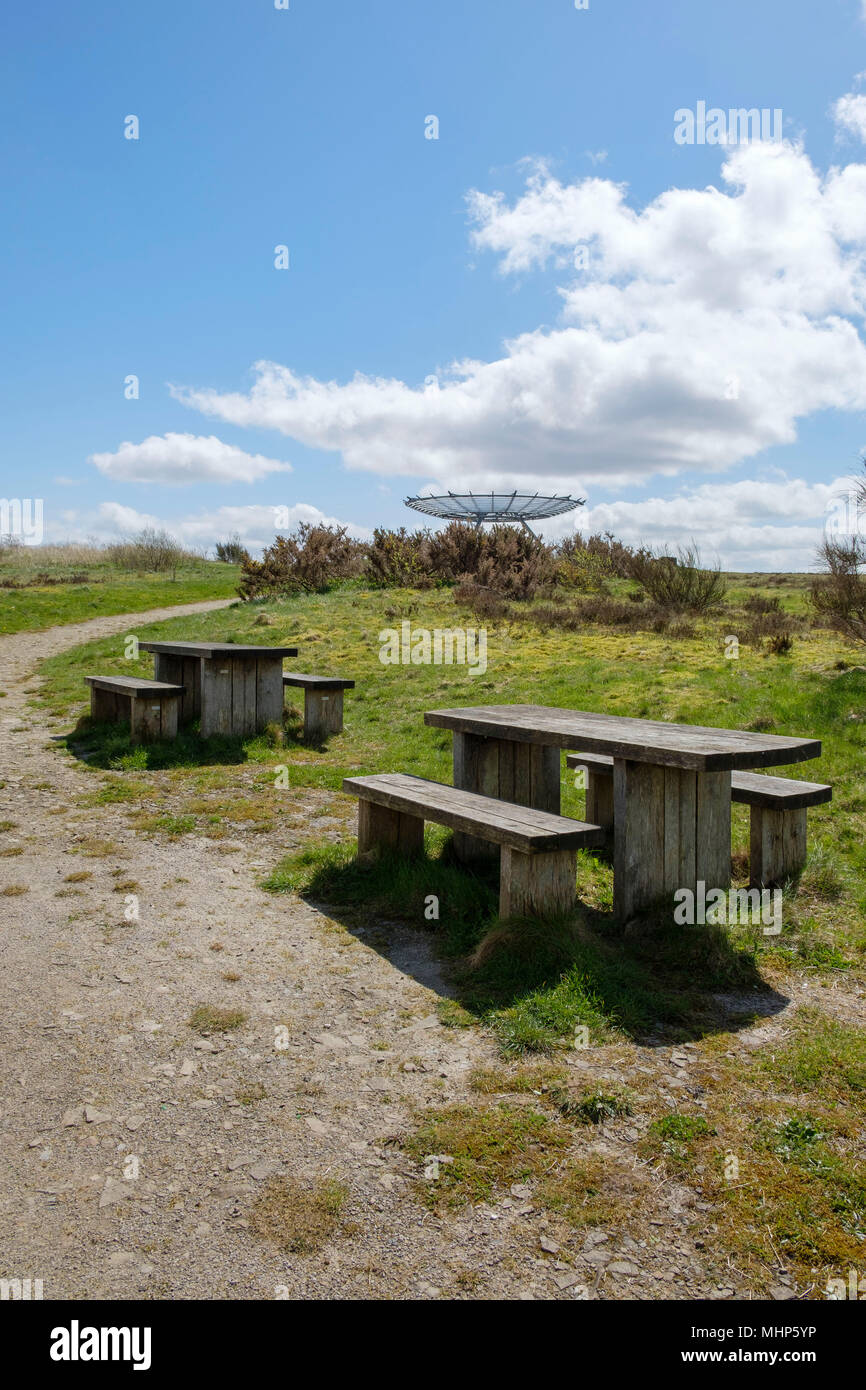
x,y
677,581
232,551
839,595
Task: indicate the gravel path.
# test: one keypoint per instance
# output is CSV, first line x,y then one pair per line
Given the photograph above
x,y
132,1150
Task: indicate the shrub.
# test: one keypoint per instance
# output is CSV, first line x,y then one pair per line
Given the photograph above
x,y
150,550
586,563
398,559
231,551
839,596
677,581
309,560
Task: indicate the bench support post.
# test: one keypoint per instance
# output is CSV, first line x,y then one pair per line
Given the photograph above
x,y
323,714
152,718
673,830
380,828
526,773
777,848
104,706
536,885
599,801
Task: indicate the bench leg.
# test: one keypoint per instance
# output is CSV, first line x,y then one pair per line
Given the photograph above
x,y
777,846
323,714
536,885
145,719
599,802
381,828
104,706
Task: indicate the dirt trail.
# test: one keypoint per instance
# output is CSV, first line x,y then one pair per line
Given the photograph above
x,y
132,1150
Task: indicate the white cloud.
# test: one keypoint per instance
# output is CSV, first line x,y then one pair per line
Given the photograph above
x,y
185,458
704,328
255,525
748,525
849,113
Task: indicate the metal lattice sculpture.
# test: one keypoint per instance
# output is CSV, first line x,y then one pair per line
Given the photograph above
x,y
479,507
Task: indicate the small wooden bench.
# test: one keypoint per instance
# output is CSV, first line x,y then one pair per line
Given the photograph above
x,y
323,703
778,807
150,706
538,862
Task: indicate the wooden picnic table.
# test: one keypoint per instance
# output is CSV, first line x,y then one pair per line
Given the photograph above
x,y
234,689
672,784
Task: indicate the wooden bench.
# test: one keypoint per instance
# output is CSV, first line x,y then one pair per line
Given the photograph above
x,y
323,703
778,807
538,862
150,706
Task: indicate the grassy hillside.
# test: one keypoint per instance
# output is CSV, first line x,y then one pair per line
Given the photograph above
x,y
791,1119
44,586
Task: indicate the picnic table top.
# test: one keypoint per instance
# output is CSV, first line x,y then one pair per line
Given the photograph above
x,y
209,649
689,746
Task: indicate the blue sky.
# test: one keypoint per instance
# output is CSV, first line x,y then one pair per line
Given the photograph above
x,y
702,375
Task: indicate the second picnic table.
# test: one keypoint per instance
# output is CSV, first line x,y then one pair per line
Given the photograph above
x,y
672,784
234,689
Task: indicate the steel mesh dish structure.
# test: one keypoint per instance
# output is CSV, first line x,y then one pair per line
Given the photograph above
x,y
479,507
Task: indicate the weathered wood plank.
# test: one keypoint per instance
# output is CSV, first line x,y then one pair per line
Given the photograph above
x,y
216,696
323,713
777,849
269,691
317,682
522,827
382,827
712,834
700,748
538,885
639,843
747,788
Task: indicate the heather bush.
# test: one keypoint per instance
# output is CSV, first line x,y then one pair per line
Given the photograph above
x,y
677,582
309,560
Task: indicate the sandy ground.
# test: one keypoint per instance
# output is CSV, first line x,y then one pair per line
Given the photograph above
x,y
129,1166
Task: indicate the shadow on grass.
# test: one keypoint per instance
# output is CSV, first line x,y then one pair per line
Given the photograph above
x,y
108,746
535,983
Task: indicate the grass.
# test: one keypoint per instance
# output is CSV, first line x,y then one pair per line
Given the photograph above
x,y
470,1153
789,1114
209,1018
298,1217
44,586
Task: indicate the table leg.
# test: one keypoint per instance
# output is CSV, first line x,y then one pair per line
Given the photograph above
x,y
185,671
525,773
216,696
673,830
269,692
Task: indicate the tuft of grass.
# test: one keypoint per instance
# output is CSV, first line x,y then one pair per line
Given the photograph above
x,y
593,1107
675,1136
481,1151
14,890
78,877
824,1058
209,1018
300,1219
250,1093
491,1081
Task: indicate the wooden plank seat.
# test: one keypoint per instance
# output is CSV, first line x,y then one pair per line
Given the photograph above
x,y
778,806
538,849
150,706
323,703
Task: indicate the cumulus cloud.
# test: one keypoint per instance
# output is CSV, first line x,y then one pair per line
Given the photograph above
x,y
747,525
185,458
256,526
849,113
695,333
